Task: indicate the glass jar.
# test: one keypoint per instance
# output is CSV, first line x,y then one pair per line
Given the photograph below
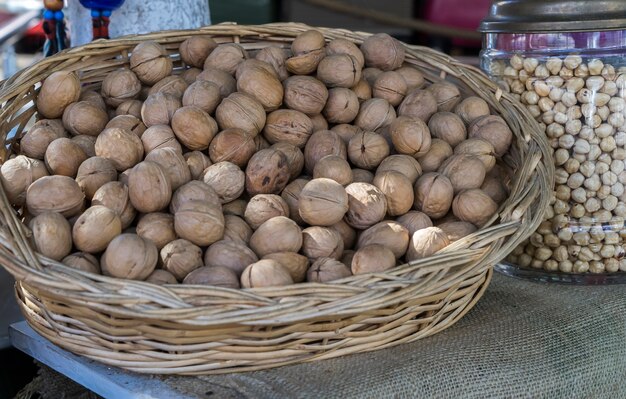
x,y
571,75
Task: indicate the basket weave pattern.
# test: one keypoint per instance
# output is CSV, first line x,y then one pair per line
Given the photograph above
x,y
200,330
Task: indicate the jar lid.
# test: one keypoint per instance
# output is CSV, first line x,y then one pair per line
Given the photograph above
x,y
515,16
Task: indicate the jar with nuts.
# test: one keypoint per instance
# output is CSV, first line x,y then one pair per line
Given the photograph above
x,y
570,73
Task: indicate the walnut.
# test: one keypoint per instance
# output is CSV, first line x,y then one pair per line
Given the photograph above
x,y
288,126
267,172
196,49
150,62
84,118
55,194
382,51
181,257
296,264
366,205
398,191
17,174
173,164
342,105
213,275
193,127
226,57
199,222
241,111
339,70
119,86
390,234
433,194
410,136
51,235
318,242
233,145
57,91
474,206
35,142
114,195
227,179
159,136
471,108
324,270
446,94
464,171
149,187
322,202
391,86
426,242
418,104
225,81
95,229
265,273
414,220
372,258
333,167
321,144
374,114
278,234
448,127
305,94
130,257
202,94
263,207
157,227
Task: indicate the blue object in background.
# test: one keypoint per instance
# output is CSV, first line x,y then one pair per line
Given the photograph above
x,y
102,4
100,15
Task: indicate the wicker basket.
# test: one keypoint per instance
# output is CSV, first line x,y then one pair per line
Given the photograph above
x,y
199,330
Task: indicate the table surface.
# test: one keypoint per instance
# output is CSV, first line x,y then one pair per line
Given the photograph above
x,y
523,339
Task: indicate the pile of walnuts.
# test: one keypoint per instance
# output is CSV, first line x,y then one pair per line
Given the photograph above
x,y
256,168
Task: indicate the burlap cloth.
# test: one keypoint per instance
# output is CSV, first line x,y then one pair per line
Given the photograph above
x,y
522,340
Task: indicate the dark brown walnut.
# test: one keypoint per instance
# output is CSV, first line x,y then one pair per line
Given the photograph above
x,y
342,105
308,51
390,234
288,126
439,151
55,194
348,234
214,276
202,94
464,171
95,229
173,84
120,86
325,270
278,234
63,157
159,136
448,127
226,57
305,94
295,158
262,85
367,205
233,255
321,144
51,235
367,150
197,163
322,202
161,277
150,62
93,173
363,90
492,128
36,140
130,257
159,108
291,195
382,51
173,164
426,242
236,229
446,94
149,187
296,264
130,107
410,136
200,222
391,86
236,207
370,74
181,257
17,174
84,118
129,123
57,91
241,111
471,108
225,81
482,149
263,207
418,104
495,188
404,164
339,70
227,179
193,127
346,131
372,258
190,75
94,98
265,273
276,57
398,191
433,194
412,76
321,242
335,168
82,261
114,195
195,50
267,172
474,206
157,227
414,220
343,46
233,145
86,143
457,230
362,176
193,191
120,146
374,114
